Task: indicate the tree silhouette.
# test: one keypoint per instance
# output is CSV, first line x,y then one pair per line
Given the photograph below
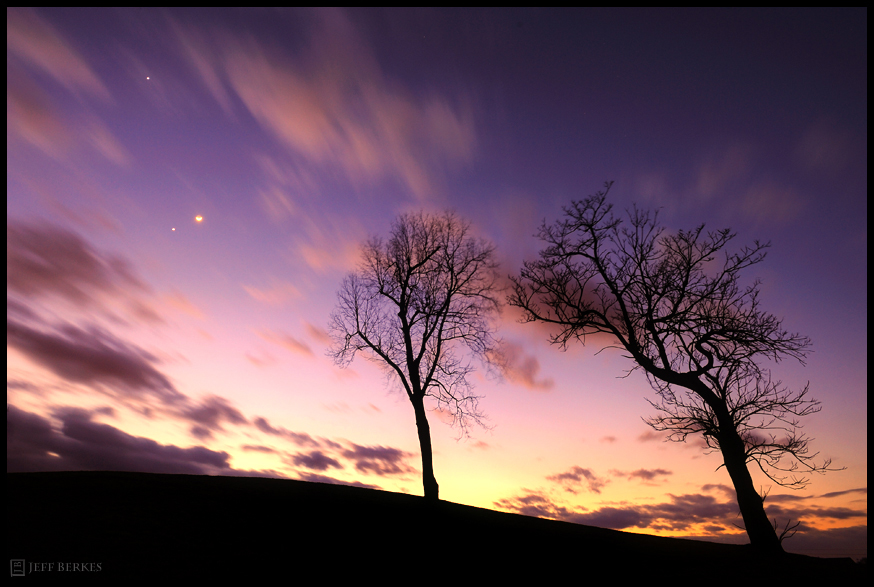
x,y
681,316
413,302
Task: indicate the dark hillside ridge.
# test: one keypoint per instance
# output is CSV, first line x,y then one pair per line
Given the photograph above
x,y
167,526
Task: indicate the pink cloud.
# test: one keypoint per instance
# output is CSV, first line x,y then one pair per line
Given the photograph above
x,y
262,361
769,201
828,148
720,173
30,115
319,334
326,244
47,260
644,475
94,357
335,107
105,143
36,42
276,295
287,341
522,368
183,304
576,477
85,445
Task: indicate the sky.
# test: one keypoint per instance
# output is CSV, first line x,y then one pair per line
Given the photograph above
x,y
186,190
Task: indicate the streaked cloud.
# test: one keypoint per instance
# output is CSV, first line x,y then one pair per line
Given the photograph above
x,y
104,142
36,52
181,302
276,202
38,43
682,512
96,358
33,444
287,341
859,490
536,504
317,478
722,172
726,491
645,475
327,242
31,116
44,259
378,460
521,368
769,201
334,106
651,436
208,415
263,360
277,294
298,438
319,334
577,477
702,514
286,184
827,147
258,448
315,460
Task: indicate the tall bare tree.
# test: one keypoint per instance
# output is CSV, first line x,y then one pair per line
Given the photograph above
x,y
682,317
416,301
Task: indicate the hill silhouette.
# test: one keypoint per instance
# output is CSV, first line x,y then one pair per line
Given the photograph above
x,y
166,526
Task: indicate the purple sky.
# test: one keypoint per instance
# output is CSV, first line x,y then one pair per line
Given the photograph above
x,y
141,339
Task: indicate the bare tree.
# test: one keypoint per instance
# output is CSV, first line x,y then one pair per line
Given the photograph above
x,y
681,316
414,301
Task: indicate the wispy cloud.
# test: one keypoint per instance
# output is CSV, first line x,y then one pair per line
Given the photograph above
x,y
334,106
44,259
179,301
521,368
96,358
827,147
317,478
703,514
37,55
769,201
30,115
39,44
315,460
650,436
720,173
645,475
32,444
287,341
575,477
378,460
298,438
208,415
277,294
319,334
859,490
682,512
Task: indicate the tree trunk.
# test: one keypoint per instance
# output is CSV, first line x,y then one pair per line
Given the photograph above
x,y
762,535
428,479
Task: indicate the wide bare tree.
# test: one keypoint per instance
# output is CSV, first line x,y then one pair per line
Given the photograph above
x,y
673,303
421,305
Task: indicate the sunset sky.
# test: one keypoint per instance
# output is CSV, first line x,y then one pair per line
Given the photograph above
x,y
141,338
